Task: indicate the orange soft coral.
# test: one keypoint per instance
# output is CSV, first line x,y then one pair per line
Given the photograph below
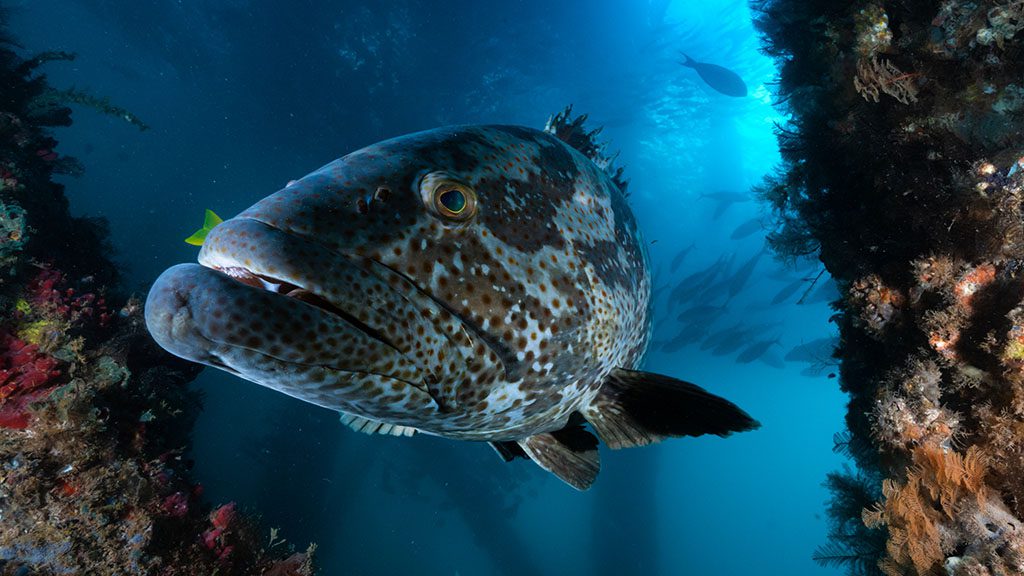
x,y
878,304
944,515
971,281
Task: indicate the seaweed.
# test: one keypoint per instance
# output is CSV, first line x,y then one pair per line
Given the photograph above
x,y
851,544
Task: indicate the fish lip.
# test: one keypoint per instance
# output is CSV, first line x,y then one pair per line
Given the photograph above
x,y
184,297
287,289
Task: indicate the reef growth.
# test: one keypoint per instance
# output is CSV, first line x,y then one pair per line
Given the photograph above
x,y
903,171
94,418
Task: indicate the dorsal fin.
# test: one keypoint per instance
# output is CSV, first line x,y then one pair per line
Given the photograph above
x,y
571,131
367,426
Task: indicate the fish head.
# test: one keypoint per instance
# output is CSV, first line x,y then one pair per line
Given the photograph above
x,y
447,272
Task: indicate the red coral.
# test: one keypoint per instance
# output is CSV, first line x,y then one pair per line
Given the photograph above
x,y
175,505
26,376
46,154
48,292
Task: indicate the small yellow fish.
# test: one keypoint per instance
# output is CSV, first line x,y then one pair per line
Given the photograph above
x,y
209,221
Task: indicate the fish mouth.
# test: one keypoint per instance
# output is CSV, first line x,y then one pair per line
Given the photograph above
x,y
302,302
287,289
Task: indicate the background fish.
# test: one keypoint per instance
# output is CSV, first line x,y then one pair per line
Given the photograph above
x,y
474,282
721,79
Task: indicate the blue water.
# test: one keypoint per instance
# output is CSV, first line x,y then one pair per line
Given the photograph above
x,y
244,95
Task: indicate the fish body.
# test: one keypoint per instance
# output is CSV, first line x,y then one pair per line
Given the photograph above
x,y
788,290
474,282
818,350
701,280
701,313
746,229
677,261
827,291
731,344
722,80
725,196
723,201
738,330
742,276
755,351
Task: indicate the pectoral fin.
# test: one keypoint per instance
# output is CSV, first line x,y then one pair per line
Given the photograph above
x,y
637,408
570,453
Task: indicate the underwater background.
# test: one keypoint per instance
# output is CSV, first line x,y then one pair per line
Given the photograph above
x,y
242,96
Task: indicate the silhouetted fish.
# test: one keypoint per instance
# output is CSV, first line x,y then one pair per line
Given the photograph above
x,y
700,313
827,291
746,229
773,359
688,335
698,281
755,351
725,196
788,290
737,330
678,260
804,267
720,79
743,274
730,345
818,350
724,200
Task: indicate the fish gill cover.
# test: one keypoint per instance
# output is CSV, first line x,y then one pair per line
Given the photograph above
x,y
902,171
95,420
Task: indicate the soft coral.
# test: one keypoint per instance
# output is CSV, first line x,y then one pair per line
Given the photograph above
x,y
26,376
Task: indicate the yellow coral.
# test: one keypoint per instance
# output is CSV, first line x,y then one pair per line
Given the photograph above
x,y
39,332
23,306
1014,351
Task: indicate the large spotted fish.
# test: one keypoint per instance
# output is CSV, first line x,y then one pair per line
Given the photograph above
x,y
474,282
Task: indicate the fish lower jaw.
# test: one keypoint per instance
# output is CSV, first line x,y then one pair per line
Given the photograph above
x,y
287,289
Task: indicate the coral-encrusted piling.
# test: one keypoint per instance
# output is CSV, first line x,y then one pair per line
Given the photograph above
x,y
904,173
95,419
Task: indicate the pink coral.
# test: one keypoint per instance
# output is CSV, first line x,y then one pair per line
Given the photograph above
x,y
222,520
26,376
224,516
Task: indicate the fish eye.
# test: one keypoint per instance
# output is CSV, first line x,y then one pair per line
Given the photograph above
x,y
453,200
448,197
